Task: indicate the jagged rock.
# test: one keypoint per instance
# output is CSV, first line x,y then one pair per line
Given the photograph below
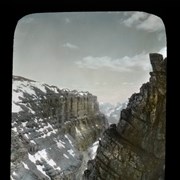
x,y
135,149
156,62
50,128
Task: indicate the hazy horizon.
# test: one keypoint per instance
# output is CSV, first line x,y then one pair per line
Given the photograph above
x,y
105,53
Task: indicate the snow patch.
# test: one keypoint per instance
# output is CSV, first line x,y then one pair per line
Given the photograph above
x,y
14,129
38,156
32,158
52,163
49,133
25,165
58,168
26,136
32,142
42,153
45,131
40,168
71,152
33,112
65,89
24,124
60,144
54,89
77,131
12,178
93,149
16,95
16,108
66,136
81,93
14,173
65,156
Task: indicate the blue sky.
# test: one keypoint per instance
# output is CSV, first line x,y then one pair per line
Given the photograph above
x,y
106,53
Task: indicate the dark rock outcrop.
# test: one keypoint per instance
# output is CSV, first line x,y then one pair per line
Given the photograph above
x,y
50,128
135,149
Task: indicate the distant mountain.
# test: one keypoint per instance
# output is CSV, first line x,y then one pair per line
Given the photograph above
x,y
112,112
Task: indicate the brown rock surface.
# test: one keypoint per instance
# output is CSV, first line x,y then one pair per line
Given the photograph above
x,y
135,149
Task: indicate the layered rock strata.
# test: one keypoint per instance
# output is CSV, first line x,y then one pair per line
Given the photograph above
x,y
135,148
50,128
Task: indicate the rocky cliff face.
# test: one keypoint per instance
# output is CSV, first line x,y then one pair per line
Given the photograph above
x,y
135,148
50,129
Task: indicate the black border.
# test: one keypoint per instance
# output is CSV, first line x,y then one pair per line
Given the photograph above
x,y
12,12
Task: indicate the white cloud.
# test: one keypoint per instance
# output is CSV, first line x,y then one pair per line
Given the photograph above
x,y
144,21
139,62
69,45
151,24
163,51
135,18
124,64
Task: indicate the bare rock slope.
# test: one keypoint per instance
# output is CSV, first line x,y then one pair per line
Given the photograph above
x,y
135,148
51,127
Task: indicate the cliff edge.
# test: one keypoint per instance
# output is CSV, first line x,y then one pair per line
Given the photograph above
x,y
135,148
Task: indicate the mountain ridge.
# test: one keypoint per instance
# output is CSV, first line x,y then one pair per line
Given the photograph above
x,y
51,129
134,149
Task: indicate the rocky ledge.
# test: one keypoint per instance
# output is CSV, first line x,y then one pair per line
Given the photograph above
x,y
51,127
135,148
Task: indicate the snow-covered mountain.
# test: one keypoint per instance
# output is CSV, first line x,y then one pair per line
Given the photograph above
x,y
112,112
53,131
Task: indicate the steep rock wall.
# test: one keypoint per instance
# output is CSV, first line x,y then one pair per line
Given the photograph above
x,y
135,148
50,128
